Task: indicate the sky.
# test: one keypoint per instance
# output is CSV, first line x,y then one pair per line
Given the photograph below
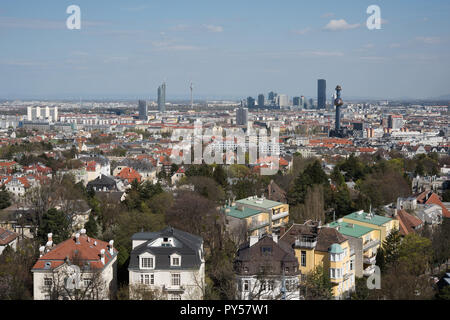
x,y
228,49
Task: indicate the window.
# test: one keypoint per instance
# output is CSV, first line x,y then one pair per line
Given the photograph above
x,y
147,263
351,264
175,279
303,259
286,269
263,285
87,282
246,285
152,279
176,261
48,282
266,250
270,284
246,269
175,297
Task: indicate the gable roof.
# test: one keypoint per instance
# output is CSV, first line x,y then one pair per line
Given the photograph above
x,y
429,197
407,222
7,236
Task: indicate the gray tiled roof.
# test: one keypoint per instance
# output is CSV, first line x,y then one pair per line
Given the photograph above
x,y
189,249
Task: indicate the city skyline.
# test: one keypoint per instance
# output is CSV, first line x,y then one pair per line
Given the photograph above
x,y
124,50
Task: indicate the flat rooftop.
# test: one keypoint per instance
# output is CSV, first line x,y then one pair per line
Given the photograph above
x,y
350,229
367,218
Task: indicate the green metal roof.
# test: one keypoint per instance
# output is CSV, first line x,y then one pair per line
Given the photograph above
x,y
375,219
335,248
245,212
350,229
259,202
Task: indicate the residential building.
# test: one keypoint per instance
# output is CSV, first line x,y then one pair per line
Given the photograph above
x,y
81,267
266,269
363,242
170,262
383,224
8,239
315,246
258,216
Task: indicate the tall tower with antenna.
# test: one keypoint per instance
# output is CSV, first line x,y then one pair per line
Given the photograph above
x,y
191,87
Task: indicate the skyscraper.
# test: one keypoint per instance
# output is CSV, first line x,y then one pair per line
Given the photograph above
x,y
296,101
241,116
260,101
283,100
321,94
250,102
143,111
271,96
303,101
162,97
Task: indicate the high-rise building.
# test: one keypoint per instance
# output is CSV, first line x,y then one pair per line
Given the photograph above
x,y
303,101
250,102
311,103
162,97
143,111
283,100
38,113
241,116
395,122
271,97
296,101
321,94
260,101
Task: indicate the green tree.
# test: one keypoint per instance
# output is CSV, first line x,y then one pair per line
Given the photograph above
x,y
220,176
389,252
317,285
5,199
91,227
56,222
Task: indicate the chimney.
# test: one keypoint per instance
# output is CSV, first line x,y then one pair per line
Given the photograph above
x,y
41,251
95,243
49,243
102,256
253,240
83,231
77,238
50,237
111,247
275,238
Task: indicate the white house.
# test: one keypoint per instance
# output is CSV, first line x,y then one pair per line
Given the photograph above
x,y
82,263
170,263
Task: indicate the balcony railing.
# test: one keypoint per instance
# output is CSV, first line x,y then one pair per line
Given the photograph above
x,y
370,244
256,226
306,243
369,271
173,288
370,260
280,215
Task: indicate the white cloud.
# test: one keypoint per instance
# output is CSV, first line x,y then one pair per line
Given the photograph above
x,y
302,31
213,28
429,40
326,53
339,25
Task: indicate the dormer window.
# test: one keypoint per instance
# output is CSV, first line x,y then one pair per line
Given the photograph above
x,y
175,260
147,262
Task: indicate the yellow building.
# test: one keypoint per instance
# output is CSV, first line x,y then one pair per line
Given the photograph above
x,y
322,246
258,215
383,224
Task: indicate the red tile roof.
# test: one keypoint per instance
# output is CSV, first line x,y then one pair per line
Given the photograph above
x,y
429,197
86,250
129,174
407,222
7,236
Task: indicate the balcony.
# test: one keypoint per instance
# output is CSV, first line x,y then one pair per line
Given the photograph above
x,y
348,275
369,271
370,260
370,244
309,244
280,215
256,226
173,288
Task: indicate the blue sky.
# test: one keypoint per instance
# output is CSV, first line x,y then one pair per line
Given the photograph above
x,y
227,48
